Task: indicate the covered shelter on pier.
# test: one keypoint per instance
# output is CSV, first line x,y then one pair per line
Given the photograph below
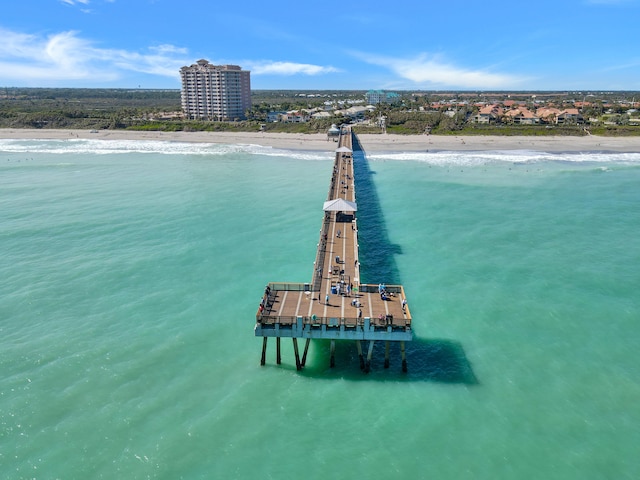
x,y
345,210
333,132
344,149
340,205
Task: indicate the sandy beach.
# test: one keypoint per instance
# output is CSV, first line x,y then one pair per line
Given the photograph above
x,y
370,142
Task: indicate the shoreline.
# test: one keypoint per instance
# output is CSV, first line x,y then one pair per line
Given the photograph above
x,y
371,143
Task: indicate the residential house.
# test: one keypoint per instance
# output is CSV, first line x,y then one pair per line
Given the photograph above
x,y
295,116
522,116
548,114
355,112
488,114
570,115
275,116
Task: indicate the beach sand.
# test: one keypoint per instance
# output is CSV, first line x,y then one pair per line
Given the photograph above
x,y
369,142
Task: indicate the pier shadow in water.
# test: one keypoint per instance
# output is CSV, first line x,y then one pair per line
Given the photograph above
x,y
434,360
377,262
429,360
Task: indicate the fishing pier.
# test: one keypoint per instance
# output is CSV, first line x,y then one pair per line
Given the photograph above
x,y
335,304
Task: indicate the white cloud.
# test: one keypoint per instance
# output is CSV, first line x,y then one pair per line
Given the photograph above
x,y
31,59
431,71
28,59
75,2
164,48
288,68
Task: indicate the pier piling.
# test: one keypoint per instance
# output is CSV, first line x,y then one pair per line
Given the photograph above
x,y
367,367
332,361
264,351
295,349
404,357
360,356
386,354
306,349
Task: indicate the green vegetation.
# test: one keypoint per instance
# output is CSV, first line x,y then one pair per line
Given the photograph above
x,y
439,113
616,131
144,110
83,108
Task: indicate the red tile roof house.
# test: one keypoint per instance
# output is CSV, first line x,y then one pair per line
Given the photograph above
x,y
522,116
488,114
548,114
570,115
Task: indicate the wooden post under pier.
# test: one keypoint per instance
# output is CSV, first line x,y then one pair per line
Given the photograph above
x,y
404,357
359,347
264,351
295,349
306,349
386,354
367,366
332,355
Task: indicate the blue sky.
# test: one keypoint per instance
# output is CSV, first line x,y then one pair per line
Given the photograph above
x,y
358,44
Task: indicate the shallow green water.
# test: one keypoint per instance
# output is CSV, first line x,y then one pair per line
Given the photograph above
x,y
130,274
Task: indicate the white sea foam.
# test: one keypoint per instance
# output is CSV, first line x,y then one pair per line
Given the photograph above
x,y
438,158
110,147
479,158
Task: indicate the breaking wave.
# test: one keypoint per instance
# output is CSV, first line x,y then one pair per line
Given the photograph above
x,y
479,158
436,158
111,147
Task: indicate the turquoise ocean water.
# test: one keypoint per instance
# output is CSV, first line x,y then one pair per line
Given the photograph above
x,y
130,273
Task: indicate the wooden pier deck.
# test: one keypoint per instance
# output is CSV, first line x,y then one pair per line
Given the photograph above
x,y
335,305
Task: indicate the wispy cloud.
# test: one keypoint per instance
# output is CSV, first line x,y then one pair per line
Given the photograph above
x,y
288,68
80,3
433,71
33,59
66,56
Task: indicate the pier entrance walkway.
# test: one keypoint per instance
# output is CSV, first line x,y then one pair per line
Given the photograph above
x,y
335,304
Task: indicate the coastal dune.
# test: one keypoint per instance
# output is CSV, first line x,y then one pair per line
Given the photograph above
x,y
369,142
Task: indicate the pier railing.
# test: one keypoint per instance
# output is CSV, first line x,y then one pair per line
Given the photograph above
x,y
264,317
318,322
291,287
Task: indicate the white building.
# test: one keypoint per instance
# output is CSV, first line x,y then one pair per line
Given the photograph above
x,y
215,92
374,97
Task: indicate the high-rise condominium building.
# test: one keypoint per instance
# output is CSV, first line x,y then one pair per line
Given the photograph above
x,y
215,92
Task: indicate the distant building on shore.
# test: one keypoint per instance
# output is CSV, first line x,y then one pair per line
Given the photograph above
x,y
375,97
215,92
